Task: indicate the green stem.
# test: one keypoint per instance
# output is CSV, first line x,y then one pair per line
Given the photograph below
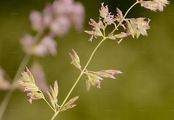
x,y
125,16
6,99
49,104
78,79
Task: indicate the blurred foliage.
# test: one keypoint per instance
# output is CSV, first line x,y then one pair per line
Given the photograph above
x,y
144,91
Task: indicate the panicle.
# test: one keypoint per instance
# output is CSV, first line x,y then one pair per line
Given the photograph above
x,y
122,25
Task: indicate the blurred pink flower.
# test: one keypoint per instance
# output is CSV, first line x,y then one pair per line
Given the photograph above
x,y
4,83
55,21
36,20
39,75
60,26
45,47
78,16
54,14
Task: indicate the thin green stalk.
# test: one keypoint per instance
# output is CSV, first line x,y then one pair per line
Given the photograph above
x,y
49,104
78,79
88,62
6,99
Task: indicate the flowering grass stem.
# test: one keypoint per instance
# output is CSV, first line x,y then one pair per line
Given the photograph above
x,y
88,62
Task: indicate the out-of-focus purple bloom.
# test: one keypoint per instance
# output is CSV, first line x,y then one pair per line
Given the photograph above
x,y
47,16
27,43
4,83
60,26
54,14
37,21
39,75
63,7
45,47
55,20
78,16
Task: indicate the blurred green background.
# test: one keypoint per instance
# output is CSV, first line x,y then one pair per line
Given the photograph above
x,y
144,91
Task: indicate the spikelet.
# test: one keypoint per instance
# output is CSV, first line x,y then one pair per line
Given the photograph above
x,y
95,78
28,82
53,94
75,60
